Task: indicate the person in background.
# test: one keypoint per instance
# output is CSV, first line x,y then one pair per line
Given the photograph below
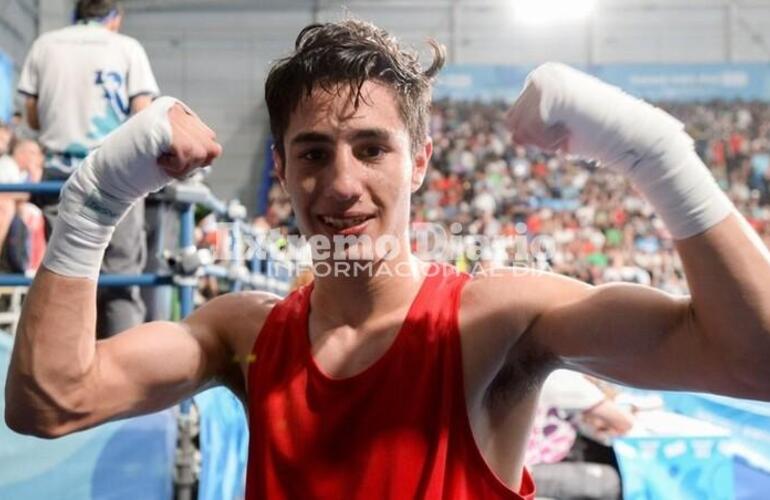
x,y
24,164
568,400
80,83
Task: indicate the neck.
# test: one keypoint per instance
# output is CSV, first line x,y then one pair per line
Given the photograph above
x,y
385,286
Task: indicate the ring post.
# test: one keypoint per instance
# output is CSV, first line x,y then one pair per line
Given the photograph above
x,y
187,469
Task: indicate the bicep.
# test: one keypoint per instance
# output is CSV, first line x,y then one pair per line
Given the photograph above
x,y
153,366
631,334
145,369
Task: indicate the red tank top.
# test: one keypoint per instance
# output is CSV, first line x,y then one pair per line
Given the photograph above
x,y
398,430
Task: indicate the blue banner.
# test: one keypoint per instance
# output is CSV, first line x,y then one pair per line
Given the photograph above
x,y
748,422
657,82
128,459
6,87
224,444
681,468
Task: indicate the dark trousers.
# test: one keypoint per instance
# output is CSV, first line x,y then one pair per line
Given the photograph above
x,y
590,472
577,481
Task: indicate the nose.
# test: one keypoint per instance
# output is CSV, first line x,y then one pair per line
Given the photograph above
x,y
346,178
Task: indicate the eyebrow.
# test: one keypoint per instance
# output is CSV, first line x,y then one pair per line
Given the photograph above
x,y
316,137
306,137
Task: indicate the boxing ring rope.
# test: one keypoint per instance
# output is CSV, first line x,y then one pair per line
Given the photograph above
x,y
187,266
184,196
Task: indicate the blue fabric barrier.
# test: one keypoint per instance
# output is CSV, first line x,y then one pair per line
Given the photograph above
x,y
7,90
224,442
125,460
749,423
675,468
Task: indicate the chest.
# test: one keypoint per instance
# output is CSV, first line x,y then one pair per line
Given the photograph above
x,y
344,352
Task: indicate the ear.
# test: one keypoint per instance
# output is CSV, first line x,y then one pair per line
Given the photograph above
x,y
115,23
421,162
280,168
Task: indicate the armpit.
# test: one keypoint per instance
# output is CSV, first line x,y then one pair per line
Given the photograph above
x,y
526,366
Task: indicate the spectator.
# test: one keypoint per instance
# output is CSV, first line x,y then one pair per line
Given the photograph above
x,y
17,217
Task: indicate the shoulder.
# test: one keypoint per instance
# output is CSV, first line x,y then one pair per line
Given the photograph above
x,y
500,305
235,318
498,309
43,41
235,310
127,42
67,33
515,296
227,328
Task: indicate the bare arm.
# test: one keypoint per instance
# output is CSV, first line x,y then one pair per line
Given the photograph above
x,y
717,340
61,379
30,108
140,102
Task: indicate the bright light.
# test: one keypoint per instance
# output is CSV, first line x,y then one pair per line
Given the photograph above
x,y
549,12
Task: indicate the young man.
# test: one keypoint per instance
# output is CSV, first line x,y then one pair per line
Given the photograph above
x,y
419,382
81,82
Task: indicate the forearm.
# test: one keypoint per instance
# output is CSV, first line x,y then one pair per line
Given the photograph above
x,y
718,339
55,374
61,380
53,355
31,112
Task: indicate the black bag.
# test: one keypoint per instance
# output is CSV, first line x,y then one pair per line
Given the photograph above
x,y
14,257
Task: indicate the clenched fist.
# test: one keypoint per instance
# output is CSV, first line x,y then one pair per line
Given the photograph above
x,y
193,143
526,123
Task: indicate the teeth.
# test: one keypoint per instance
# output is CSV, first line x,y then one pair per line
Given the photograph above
x,y
343,223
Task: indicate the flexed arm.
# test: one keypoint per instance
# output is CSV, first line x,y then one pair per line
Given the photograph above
x,y
60,379
718,339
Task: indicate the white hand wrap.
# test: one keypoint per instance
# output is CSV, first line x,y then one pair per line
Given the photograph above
x,y
638,140
99,193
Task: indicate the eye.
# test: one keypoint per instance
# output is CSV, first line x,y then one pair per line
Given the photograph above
x,y
371,152
314,155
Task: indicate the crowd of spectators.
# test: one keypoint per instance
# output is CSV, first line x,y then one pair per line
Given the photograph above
x,y
597,227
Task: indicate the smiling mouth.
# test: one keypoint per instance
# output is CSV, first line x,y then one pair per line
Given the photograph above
x,y
344,222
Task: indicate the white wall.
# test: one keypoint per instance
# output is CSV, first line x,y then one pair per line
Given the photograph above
x,y
216,63
18,27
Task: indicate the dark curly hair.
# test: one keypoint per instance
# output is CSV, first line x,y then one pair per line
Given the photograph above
x,y
351,51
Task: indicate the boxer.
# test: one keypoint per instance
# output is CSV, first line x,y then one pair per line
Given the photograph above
x,y
420,383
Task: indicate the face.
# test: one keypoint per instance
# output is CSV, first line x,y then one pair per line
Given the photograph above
x,y
350,172
30,158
